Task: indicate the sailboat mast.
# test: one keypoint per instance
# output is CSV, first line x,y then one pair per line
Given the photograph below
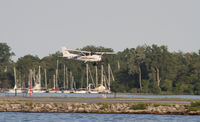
x,y
67,78
102,77
71,78
87,74
64,78
74,83
57,75
109,76
91,76
15,78
54,82
118,65
45,76
96,76
30,78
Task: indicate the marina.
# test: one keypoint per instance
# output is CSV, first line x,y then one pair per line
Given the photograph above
x,y
35,84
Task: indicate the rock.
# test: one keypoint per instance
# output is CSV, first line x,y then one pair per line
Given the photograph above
x,y
48,106
97,107
113,108
177,106
16,107
88,109
81,110
70,107
94,108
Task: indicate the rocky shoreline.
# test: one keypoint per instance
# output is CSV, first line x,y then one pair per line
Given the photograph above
x,y
128,108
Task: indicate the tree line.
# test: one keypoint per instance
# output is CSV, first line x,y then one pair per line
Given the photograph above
x,y
144,69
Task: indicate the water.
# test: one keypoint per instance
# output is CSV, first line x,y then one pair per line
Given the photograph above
x,y
83,117
100,95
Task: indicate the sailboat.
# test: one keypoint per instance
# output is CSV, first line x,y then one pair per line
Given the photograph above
x,y
15,89
37,87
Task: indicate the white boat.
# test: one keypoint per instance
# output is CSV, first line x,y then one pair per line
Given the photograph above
x,y
59,91
99,90
11,91
17,90
81,91
52,91
93,92
38,91
66,91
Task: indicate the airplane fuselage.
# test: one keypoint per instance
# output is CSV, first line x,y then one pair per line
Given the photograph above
x,y
88,58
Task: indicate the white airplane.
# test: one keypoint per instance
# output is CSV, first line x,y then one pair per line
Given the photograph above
x,y
86,56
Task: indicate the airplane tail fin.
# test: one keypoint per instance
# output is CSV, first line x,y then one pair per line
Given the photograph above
x,y
65,51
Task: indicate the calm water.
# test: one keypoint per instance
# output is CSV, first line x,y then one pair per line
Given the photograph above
x,y
100,95
80,117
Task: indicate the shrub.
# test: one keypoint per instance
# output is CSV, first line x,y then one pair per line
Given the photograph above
x,y
156,90
194,106
28,103
139,106
156,105
104,106
55,104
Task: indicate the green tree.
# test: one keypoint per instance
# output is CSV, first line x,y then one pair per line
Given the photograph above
x,y
5,53
23,66
137,57
6,66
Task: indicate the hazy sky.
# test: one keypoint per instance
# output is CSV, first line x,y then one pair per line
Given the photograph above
x,y
41,27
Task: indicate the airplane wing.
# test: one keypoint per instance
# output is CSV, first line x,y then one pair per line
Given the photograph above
x,y
79,52
101,53
88,52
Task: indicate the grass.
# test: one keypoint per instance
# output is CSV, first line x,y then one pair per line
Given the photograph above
x,y
140,106
15,103
46,99
28,103
55,104
156,105
104,106
194,106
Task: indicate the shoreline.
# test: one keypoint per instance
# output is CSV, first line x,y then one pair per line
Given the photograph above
x,y
98,105
100,108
